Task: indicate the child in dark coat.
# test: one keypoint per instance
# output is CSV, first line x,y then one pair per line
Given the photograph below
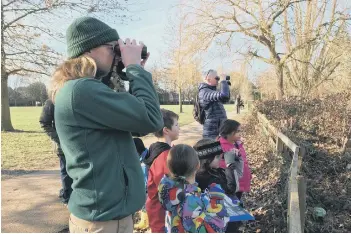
x,y
210,152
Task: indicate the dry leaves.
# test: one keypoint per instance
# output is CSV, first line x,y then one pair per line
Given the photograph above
x,y
319,125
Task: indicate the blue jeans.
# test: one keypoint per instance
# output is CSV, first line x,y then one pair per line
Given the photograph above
x,y
66,181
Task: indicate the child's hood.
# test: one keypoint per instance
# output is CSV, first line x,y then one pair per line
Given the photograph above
x,y
171,193
155,150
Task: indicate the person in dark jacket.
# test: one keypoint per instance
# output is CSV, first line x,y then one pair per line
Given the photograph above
x,y
239,103
210,152
47,123
212,101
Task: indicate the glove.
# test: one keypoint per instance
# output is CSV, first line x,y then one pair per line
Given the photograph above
x,y
231,156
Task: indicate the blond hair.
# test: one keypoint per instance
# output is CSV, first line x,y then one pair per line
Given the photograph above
x,y
71,69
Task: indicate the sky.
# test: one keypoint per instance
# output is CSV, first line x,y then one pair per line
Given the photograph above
x,y
152,28
149,25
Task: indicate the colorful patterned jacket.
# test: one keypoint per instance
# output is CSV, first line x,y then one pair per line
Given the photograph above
x,y
189,210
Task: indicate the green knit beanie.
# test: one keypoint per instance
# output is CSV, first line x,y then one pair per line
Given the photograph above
x,y
86,33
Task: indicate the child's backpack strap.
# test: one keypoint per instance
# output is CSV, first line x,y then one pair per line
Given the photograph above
x,y
143,155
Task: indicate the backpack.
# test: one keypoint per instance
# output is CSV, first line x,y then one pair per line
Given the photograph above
x,y
198,112
144,168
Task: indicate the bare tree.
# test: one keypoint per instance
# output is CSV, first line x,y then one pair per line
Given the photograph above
x,y
314,63
16,95
240,84
24,29
340,80
183,55
259,21
267,83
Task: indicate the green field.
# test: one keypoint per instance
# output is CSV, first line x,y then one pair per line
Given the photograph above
x,y
29,148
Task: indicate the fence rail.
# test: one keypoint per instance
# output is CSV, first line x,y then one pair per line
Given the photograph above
x,y
296,183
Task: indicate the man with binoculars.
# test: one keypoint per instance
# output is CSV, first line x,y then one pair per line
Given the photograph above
x,y
211,101
95,125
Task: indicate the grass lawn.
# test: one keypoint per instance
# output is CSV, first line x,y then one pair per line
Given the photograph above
x,y
30,149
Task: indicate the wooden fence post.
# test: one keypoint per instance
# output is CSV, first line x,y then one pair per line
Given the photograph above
x,y
302,153
294,217
279,146
296,186
301,183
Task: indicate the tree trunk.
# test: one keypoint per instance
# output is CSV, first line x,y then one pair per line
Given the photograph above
x,y
180,101
280,87
6,124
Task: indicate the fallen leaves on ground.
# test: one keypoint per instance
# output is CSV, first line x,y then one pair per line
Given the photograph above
x,y
319,126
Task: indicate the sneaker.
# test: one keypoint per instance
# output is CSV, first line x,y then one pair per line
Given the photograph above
x,y
60,193
144,221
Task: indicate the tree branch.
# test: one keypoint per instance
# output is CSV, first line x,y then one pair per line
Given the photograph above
x,y
22,16
266,60
296,48
17,71
277,14
244,10
8,4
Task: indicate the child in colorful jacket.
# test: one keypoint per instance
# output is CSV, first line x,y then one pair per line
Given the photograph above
x,y
230,139
189,210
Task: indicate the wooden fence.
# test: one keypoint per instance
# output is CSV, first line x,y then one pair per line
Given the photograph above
x,y
296,184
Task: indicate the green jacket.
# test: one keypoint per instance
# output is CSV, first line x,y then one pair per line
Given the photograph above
x,y
94,125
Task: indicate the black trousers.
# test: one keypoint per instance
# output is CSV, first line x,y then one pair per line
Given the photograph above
x,y
66,181
233,227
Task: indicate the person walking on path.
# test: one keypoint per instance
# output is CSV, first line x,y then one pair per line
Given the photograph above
x,y
239,103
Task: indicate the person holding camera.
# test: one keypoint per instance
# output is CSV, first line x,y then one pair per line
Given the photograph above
x,y
211,101
95,125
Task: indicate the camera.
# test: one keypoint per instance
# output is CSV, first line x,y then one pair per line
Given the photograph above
x,y
117,70
143,52
227,78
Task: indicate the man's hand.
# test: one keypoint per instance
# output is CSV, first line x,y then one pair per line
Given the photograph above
x,y
131,52
223,77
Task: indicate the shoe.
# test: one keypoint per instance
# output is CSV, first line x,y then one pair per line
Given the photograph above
x,y
60,193
144,221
